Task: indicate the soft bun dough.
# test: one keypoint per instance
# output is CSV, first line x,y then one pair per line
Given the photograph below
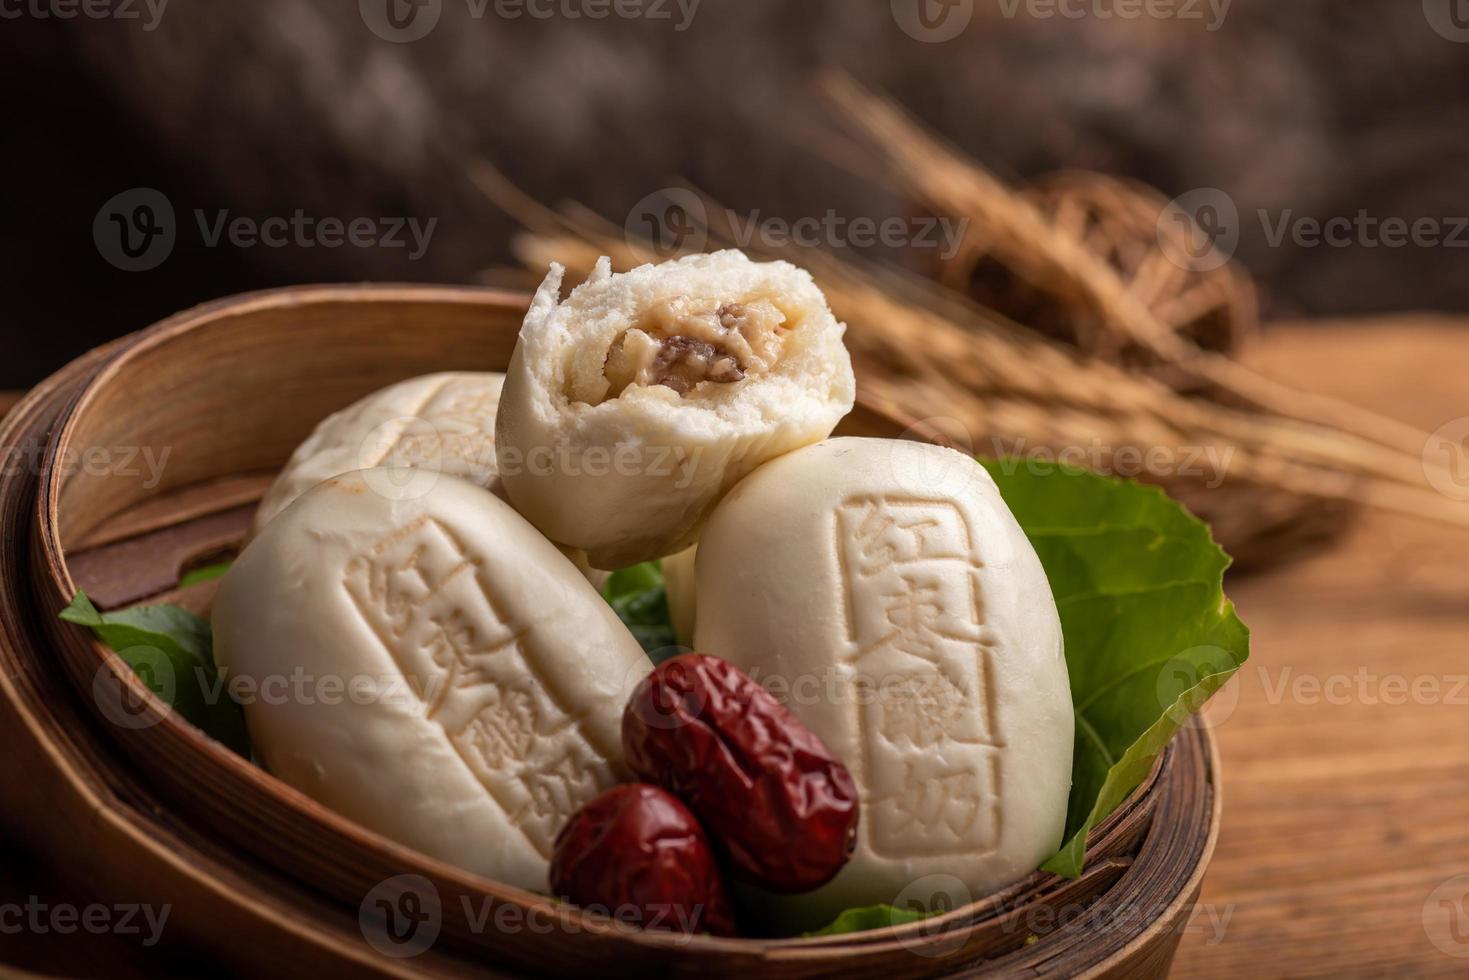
x,y
441,422
429,665
886,592
679,586
630,408
437,423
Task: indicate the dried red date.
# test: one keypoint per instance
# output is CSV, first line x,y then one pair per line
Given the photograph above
x,y
774,798
636,852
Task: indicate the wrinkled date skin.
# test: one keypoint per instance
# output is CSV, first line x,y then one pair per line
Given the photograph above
x,y
636,853
774,798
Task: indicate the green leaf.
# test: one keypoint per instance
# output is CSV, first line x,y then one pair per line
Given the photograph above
x,y
172,651
638,597
1149,633
871,917
205,573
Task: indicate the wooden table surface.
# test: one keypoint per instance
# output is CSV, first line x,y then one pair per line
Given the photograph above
x,y
1345,741
1346,802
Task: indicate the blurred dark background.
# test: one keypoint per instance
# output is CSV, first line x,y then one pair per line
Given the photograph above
x,y
1306,108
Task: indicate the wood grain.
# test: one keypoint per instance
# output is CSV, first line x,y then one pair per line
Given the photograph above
x,y
1343,808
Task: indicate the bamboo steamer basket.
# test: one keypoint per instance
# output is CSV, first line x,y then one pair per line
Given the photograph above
x,y
116,792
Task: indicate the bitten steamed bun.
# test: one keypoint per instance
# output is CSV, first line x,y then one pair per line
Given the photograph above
x,y
631,407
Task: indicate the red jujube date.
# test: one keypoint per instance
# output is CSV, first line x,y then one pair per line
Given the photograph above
x,y
637,853
773,797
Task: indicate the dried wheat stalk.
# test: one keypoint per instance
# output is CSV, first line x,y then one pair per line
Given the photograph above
x,y
1053,258
1116,220
930,357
